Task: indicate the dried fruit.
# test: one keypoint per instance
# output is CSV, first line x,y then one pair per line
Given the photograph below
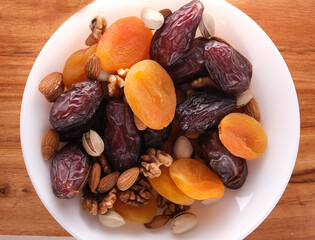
x,y
95,176
175,37
121,136
155,138
51,86
93,143
111,219
182,148
123,44
203,110
50,144
227,68
69,170
191,64
195,179
157,222
108,182
166,187
152,18
127,178
243,135
76,106
183,222
230,169
150,93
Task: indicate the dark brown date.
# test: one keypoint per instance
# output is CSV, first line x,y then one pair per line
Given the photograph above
x,y
230,169
69,170
203,110
76,106
227,67
176,35
155,138
121,136
191,65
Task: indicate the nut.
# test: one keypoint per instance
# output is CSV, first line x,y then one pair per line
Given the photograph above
x,y
203,82
115,86
193,134
51,86
93,69
90,205
157,222
95,176
244,98
183,222
107,202
152,18
93,143
165,12
210,201
252,109
127,178
139,124
122,72
105,164
111,219
50,144
98,26
108,182
182,148
207,26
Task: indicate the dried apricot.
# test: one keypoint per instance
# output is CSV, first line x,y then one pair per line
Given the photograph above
x,y
123,44
150,93
243,135
195,179
150,35
166,187
142,214
73,70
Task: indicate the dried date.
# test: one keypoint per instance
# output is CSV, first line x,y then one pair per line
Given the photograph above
x,y
69,170
230,169
203,110
76,106
121,136
176,35
191,65
155,138
227,67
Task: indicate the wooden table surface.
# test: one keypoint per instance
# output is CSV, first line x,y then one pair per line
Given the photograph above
x,y
25,26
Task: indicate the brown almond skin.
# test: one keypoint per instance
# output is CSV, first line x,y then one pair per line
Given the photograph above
x,y
50,144
95,176
157,222
51,86
108,182
127,178
252,109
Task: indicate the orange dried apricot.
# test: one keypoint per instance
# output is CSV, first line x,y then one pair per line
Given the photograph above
x,y
166,187
195,179
142,214
150,35
73,70
123,44
150,93
243,135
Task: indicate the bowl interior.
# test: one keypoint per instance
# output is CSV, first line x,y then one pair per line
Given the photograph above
x,y
240,211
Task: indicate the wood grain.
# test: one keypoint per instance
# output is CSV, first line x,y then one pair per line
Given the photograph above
x,y
27,25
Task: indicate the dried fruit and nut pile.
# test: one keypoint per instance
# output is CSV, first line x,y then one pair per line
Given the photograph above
x,y
152,120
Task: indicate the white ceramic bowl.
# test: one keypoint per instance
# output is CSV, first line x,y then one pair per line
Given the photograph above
x,y
240,211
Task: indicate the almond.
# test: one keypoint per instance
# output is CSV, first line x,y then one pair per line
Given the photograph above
x,y
95,176
51,86
165,12
252,109
157,222
50,144
127,178
108,182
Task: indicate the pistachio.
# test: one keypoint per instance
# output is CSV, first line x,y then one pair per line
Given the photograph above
x,y
152,18
111,219
244,98
182,148
183,222
93,143
210,201
51,86
93,69
207,26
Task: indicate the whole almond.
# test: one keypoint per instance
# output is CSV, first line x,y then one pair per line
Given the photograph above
x,y
165,12
108,182
127,178
51,86
157,222
93,67
95,176
50,144
252,109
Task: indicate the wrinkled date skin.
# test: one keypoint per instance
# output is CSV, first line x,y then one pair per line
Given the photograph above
x,y
227,68
76,106
96,123
203,110
191,65
230,169
69,170
176,35
121,136
155,138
